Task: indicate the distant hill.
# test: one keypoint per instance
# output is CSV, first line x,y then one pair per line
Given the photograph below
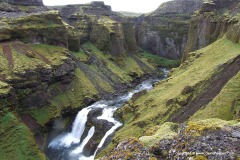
x,y
130,14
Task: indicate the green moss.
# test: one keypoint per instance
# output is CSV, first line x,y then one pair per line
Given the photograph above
x,y
17,142
107,60
101,37
71,98
223,105
152,109
166,131
38,21
4,68
84,85
107,22
119,70
81,56
26,8
23,62
55,54
5,30
4,88
159,61
198,127
200,157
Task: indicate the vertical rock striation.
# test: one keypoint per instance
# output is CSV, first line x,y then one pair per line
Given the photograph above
x,y
210,23
164,31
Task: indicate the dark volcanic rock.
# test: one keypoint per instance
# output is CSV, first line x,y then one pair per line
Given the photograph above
x,y
180,6
211,24
24,2
164,31
129,149
211,144
101,127
95,22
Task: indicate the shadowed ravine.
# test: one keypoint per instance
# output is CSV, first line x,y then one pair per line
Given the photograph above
x,y
72,146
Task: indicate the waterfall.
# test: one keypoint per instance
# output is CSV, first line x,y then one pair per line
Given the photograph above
x,y
66,140
79,124
70,142
81,147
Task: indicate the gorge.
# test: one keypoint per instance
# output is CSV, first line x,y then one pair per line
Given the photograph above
x,y
76,81
63,142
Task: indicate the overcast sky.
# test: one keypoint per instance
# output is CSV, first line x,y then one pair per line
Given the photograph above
x,y
140,6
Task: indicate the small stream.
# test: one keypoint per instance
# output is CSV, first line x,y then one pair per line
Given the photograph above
x,y
70,146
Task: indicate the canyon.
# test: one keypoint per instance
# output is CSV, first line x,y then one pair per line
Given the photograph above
x,y
67,76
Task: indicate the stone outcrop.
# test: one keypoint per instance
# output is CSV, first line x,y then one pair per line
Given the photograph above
x,y
24,2
211,23
34,78
96,23
164,31
179,6
203,140
131,148
45,28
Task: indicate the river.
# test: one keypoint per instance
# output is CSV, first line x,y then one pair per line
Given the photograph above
x,y
70,146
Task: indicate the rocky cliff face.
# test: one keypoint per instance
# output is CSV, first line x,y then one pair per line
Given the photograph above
x,y
96,23
164,31
32,24
179,6
210,23
24,2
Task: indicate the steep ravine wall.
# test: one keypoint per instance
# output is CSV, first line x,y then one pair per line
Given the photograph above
x,y
164,31
104,28
212,22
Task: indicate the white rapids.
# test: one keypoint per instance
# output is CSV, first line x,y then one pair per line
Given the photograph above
x,y
71,141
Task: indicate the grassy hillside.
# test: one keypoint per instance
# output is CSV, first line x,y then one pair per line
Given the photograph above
x,y
225,105
17,141
171,95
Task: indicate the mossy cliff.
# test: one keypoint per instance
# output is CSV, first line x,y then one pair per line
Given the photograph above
x,y
95,22
164,31
210,23
41,82
34,28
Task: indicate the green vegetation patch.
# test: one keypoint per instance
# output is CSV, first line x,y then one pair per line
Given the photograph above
x,y
159,61
71,98
17,142
123,69
39,21
151,108
198,127
55,54
108,61
166,131
225,105
4,88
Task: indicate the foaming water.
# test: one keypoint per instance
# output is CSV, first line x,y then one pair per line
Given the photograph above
x,y
70,146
